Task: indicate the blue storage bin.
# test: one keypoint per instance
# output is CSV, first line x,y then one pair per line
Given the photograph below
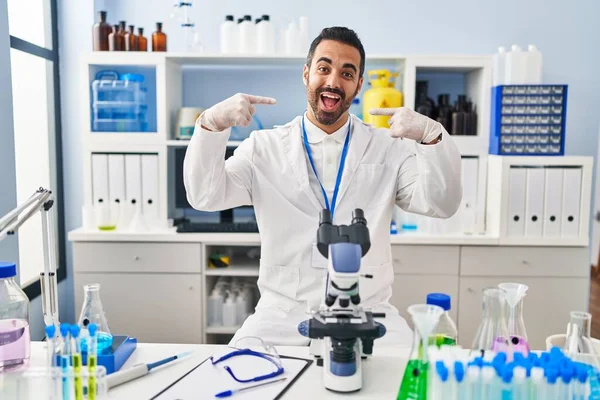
x,y
119,103
528,120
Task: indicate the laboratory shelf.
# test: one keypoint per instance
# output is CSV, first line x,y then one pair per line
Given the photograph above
x,y
185,142
222,330
233,270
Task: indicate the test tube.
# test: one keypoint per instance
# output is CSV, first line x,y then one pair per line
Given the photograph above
x,y
473,382
552,386
519,384
92,360
76,357
51,345
537,387
64,361
487,386
459,374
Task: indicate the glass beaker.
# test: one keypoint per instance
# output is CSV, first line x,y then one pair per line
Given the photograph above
x,y
578,338
492,333
515,292
425,317
93,312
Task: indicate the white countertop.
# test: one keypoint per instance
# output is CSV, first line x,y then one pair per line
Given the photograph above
x,y
253,239
382,373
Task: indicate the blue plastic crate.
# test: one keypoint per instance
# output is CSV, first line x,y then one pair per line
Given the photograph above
x,y
528,120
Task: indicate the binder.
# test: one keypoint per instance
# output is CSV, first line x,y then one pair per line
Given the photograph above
x,y
534,207
100,179
516,201
569,226
116,178
470,181
150,188
133,188
553,193
133,178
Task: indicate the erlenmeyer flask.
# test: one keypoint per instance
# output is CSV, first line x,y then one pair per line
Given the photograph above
x,y
515,293
492,333
92,312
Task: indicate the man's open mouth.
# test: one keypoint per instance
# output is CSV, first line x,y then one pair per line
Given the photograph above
x,y
330,101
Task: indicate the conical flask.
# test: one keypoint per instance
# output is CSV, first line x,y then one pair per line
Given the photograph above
x,y
92,312
515,292
425,318
492,334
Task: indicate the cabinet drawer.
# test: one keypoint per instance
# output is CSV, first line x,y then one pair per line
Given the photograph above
x,y
137,257
525,261
425,259
546,306
154,308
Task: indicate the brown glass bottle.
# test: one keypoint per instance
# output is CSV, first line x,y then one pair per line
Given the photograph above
x,y
100,32
121,34
159,39
131,40
114,44
142,41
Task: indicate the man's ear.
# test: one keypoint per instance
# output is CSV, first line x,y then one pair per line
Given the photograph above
x,y
305,75
360,83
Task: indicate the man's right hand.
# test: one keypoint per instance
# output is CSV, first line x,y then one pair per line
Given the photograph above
x,y
234,111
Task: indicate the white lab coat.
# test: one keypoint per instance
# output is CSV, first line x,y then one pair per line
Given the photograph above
x,y
269,171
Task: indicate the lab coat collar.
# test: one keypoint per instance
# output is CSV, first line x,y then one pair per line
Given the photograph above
x,y
316,134
294,148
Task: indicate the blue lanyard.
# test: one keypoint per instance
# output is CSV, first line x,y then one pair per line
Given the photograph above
x,y
338,180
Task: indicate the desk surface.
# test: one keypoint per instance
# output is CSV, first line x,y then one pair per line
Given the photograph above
x,y
381,374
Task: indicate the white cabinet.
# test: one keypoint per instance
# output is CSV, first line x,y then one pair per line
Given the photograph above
x,y
546,305
425,259
413,289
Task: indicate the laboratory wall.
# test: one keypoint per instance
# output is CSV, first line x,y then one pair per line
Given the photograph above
x,y
563,31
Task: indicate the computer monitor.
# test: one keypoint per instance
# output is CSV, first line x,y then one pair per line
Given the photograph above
x,y
181,201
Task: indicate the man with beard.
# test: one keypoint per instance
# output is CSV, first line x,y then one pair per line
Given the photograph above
x,y
325,158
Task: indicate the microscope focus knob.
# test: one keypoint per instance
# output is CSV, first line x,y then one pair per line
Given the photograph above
x,y
344,303
355,299
329,300
303,328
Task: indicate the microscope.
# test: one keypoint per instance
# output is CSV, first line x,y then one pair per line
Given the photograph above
x,y
342,332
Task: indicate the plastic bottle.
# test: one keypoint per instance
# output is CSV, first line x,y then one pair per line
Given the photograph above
x,y
534,66
499,67
215,308
15,340
246,36
516,66
292,39
240,308
445,332
228,38
100,32
265,36
229,311
159,39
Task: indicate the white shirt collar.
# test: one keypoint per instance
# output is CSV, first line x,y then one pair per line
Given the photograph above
x,y
316,135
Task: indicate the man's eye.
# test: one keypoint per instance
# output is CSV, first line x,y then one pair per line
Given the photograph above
x,y
323,69
348,75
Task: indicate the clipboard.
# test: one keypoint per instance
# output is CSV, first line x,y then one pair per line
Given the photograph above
x,y
185,381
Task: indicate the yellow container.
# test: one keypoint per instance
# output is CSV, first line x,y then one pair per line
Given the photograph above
x,y
381,95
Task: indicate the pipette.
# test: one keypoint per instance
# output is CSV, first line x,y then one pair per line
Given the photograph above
x,y
138,371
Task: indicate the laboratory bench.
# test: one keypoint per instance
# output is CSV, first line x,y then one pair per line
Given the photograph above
x,y
166,274
382,373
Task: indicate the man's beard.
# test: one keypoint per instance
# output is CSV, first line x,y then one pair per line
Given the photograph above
x,y
326,117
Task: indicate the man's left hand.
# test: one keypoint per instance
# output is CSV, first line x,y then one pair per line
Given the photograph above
x,y
409,124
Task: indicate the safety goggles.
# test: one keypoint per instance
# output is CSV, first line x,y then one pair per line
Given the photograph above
x,y
253,347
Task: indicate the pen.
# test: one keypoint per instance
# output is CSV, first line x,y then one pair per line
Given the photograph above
x,y
231,392
92,349
76,356
138,371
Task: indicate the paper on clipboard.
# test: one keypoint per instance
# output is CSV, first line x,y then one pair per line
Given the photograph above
x,y
206,380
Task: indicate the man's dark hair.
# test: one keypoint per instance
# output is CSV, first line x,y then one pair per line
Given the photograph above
x,y
342,35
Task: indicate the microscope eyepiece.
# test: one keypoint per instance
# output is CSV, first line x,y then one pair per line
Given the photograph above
x,y
324,217
358,216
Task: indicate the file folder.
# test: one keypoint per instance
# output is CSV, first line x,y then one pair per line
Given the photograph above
x,y
553,193
534,207
150,188
516,201
569,226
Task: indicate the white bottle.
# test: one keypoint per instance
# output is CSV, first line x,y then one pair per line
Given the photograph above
x,y
215,308
265,36
516,66
303,28
534,66
246,36
499,67
228,36
229,312
240,309
292,40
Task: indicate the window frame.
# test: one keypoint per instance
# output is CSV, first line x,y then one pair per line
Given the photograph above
x,y
34,289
